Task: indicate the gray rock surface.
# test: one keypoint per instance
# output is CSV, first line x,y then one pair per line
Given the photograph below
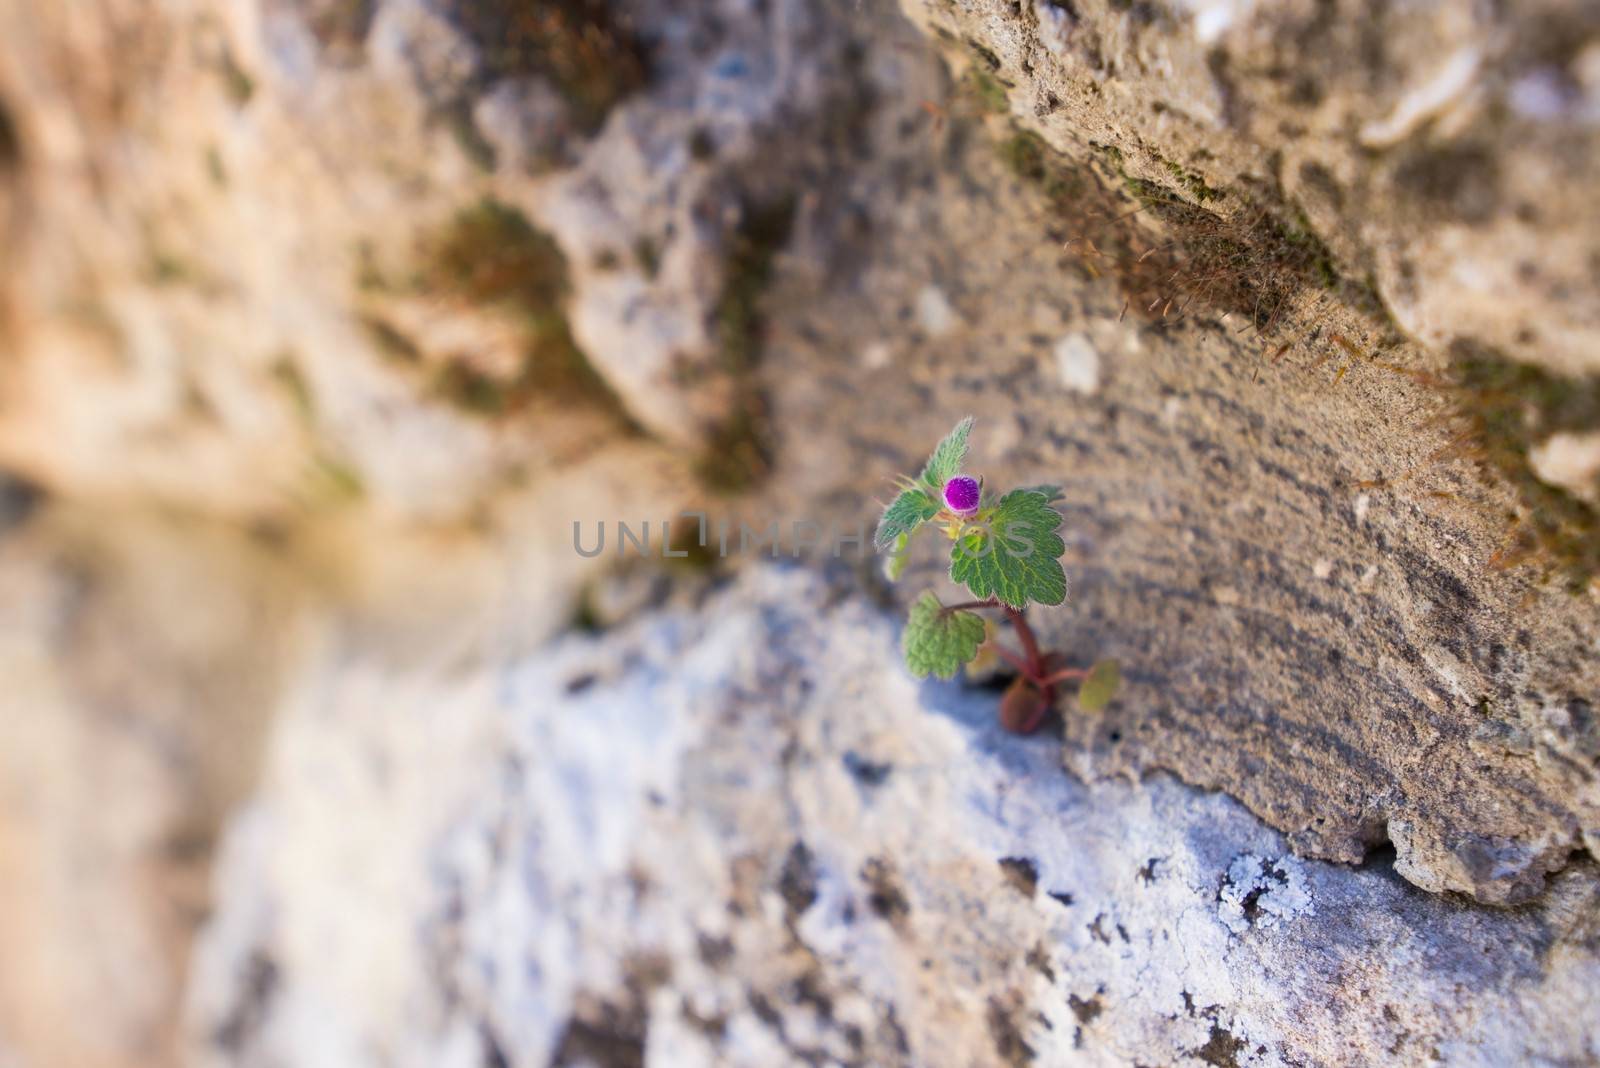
x,y
736,833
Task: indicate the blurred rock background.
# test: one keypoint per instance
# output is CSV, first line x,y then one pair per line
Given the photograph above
x,y
323,321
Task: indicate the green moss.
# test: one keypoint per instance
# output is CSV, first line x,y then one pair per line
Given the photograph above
x,y
1110,153
464,386
587,50
1508,408
737,456
369,278
240,86
585,616
393,344
1027,156
755,244
1148,193
10,142
1193,183
1255,260
1249,261
166,269
214,168
988,92
1318,259
286,373
491,255
334,482
474,146
648,255
686,540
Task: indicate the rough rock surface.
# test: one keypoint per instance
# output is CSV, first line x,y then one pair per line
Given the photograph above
x,y
1338,653
1430,146
342,313
229,290
735,833
1341,659
126,747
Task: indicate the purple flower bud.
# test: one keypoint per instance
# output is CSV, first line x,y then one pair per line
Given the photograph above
x,y
961,494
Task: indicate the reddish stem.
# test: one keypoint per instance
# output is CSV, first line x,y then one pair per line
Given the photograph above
x,y
1011,658
1034,671
1029,645
1032,667
964,605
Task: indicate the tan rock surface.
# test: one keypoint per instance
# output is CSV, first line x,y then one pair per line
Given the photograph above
x,y
321,323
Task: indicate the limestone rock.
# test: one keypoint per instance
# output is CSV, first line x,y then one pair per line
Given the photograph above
x,y
1571,462
285,254
1444,152
328,319
742,835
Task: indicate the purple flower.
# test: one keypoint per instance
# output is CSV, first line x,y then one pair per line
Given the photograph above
x,y
961,494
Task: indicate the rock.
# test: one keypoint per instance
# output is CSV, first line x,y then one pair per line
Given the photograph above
x,y
1077,364
1571,462
145,655
372,158
139,672
934,313
1204,480
682,841
1431,149
358,306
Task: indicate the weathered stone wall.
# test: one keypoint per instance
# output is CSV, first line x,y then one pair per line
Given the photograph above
x,y
323,322
1432,147
725,835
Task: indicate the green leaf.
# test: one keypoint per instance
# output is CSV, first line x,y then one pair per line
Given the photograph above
x,y
1013,552
987,659
895,563
1051,493
937,641
1100,687
946,461
905,514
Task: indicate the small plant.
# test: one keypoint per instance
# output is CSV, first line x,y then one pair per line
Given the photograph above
x,y
1006,551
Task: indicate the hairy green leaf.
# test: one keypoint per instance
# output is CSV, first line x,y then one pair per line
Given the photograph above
x,y
946,461
1051,493
895,563
937,641
1013,552
905,514
1100,687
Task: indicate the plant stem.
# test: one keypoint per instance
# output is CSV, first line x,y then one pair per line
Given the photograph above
x,y
1032,665
1029,645
966,605
1011,658
1035,671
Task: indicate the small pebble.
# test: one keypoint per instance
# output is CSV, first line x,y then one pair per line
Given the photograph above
x,y
1078,364
934,312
